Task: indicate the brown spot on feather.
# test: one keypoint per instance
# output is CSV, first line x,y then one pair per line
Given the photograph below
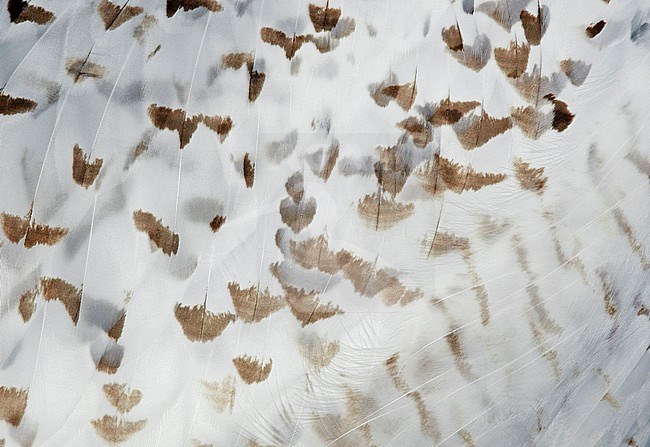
x,y
418,129
453,38
297,215
10,105
367,280
84,172
122,398
306,306
392,169
249,171
255,78
450,112
115,15
463,366
443,243
176,120
111,359
530,178
116,430
27,304
13,402
443,174
531,121
475,131
252,370
21,11
16,227
576,71
513,60
217,223
199,324
115,332
428,424
562,117
56,289
324,18
159,234
81,69
534,26
290,45
253,305
174,5
383,213
626,227
595,28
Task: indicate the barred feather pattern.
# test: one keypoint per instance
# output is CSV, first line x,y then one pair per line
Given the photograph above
x,y
339,223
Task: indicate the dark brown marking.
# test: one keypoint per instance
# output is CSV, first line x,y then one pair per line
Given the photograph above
x,y
115,332
218,124
27,304
453,38
608,294
324,18
249,171
306,306
217,223
12,106
392,169
443,243
443,174
530,178
84,172
332,157
176,120
465,369
595,28
297,215
450,112
111,359
199,324
116,430
475,131
16,227
81,69
418,129
532,122
13,402
534,27
382,213
576,71
252,370
253,305
174,5
428,425
123,399
159,234
115,15
290,45
403,94
21,11
367,280
56,289
562,117
513,60
637,248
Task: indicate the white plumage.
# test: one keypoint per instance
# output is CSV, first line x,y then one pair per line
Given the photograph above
x,y
276,223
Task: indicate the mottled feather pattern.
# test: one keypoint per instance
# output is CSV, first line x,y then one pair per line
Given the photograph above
x,y
324,223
